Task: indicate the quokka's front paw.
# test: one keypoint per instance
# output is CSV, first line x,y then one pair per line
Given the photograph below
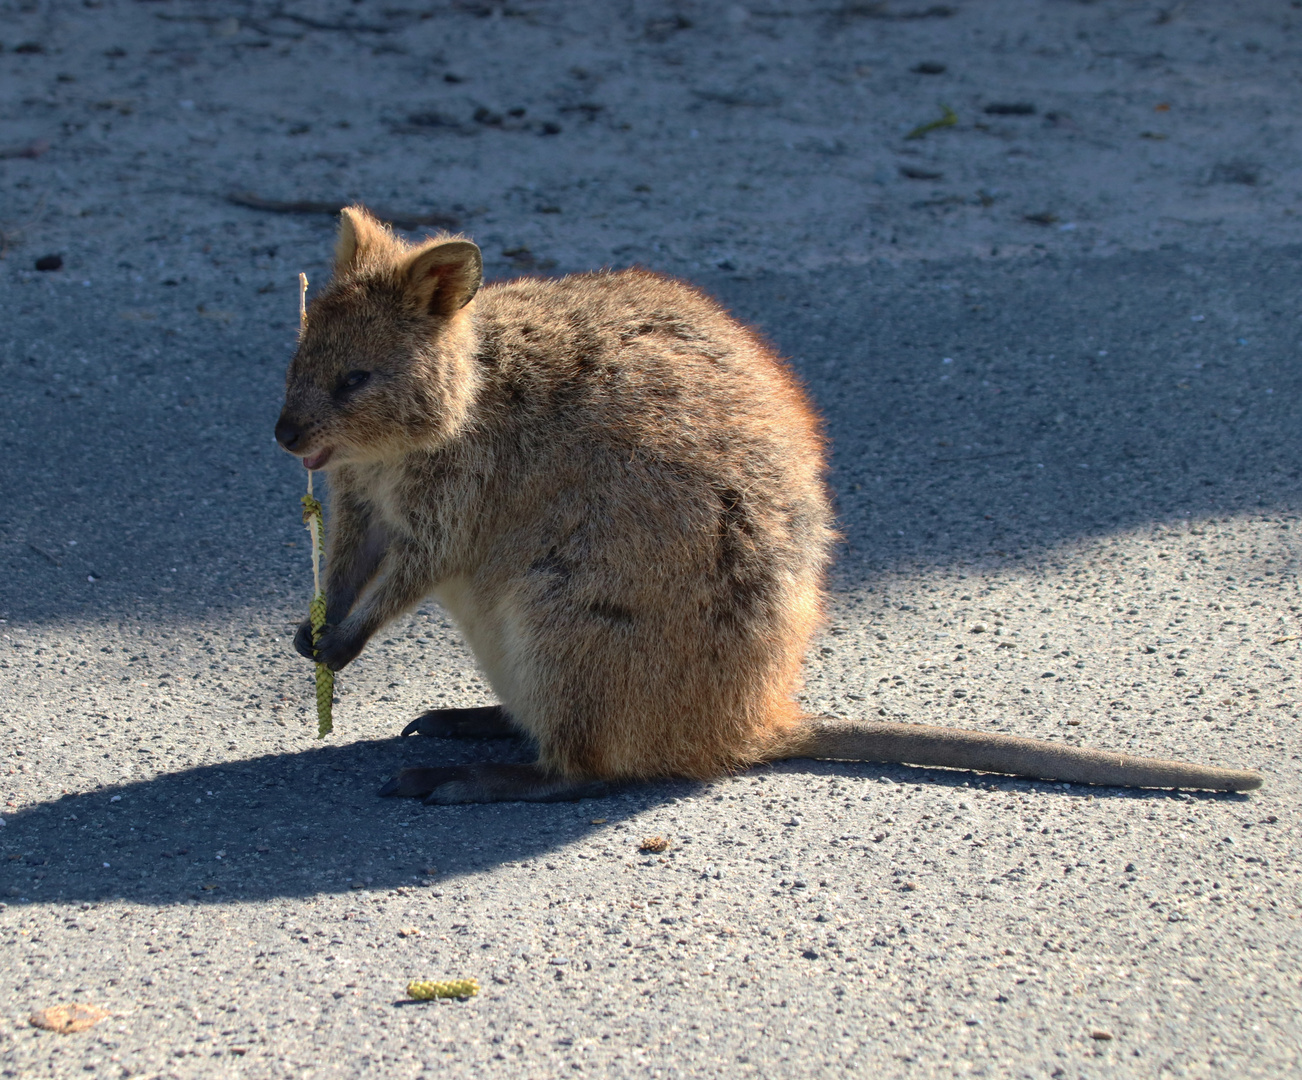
x,y
335,649
303,640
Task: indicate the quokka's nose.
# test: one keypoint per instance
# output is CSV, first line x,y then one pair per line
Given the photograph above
x,y
288,433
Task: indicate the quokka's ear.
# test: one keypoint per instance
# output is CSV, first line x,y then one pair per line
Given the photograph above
x,y
444,277
359,235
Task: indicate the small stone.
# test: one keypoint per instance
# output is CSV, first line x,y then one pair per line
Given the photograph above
x,y
50,262
653,844
1102,1036
979,628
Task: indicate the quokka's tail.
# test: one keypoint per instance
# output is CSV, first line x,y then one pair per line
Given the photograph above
x,y
955,748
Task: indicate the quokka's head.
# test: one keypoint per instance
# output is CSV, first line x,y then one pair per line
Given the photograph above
x,y
385,362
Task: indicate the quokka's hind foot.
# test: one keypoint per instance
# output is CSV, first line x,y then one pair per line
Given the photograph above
x,y
446,785
482,722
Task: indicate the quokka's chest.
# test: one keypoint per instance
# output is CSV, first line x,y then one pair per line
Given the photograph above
x,y
421,500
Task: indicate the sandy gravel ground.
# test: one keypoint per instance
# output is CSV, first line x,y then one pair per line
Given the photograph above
x,y
1056,344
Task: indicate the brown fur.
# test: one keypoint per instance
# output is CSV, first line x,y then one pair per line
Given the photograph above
x,y
614,488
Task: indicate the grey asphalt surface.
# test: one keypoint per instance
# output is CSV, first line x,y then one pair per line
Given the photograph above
x,y
1069,487
237,892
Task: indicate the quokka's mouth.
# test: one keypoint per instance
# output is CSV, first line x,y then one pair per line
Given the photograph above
x,y
317,460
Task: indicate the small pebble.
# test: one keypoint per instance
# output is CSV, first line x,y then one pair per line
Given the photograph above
x,y
49,262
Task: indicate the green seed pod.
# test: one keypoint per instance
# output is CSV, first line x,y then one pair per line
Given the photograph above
x,y
428,990
325,696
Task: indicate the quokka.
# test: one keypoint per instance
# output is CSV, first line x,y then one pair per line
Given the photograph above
x,y
617,492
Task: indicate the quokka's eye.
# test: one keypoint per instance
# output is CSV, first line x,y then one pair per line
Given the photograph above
x,y
354,379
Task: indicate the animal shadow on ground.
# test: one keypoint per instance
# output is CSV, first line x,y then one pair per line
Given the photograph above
x,y
295,825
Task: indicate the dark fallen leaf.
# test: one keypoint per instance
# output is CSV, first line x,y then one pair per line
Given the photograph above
x,y
877,9
660,30
758,97
1010,108
310,206
1236,172
33,149
423,123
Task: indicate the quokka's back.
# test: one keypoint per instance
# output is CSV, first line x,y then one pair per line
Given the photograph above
x,y
664,527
